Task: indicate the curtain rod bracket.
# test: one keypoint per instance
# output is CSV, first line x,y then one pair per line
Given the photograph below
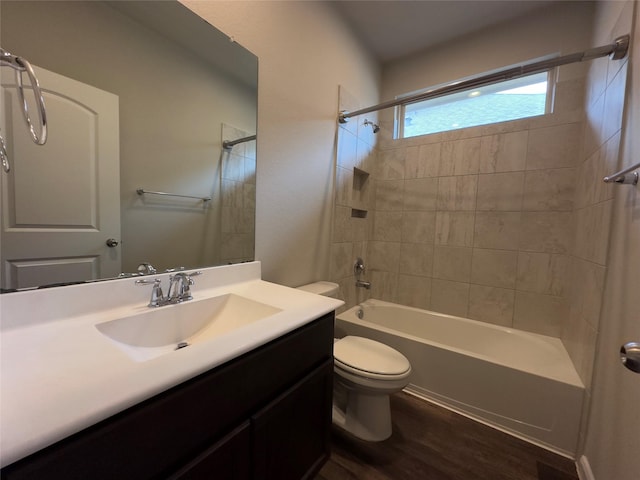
x,y
621,48
342,116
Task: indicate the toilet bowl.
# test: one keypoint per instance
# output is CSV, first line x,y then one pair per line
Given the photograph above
x,y
366,372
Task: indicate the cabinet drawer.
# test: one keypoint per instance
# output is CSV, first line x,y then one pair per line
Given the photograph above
x,y
227,459
291,434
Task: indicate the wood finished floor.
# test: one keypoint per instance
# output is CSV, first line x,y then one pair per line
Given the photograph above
x,y
432,443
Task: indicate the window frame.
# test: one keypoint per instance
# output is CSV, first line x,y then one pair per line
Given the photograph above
x,y
399,111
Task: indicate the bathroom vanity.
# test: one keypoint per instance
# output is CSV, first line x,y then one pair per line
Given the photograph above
x,y
255,409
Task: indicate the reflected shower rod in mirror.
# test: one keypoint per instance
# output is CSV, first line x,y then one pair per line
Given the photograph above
x,y
142,191
228,144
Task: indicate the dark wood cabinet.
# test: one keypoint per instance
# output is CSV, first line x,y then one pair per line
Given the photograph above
x,y
265,415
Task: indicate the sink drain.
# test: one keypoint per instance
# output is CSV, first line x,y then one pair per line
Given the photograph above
x,y
182,345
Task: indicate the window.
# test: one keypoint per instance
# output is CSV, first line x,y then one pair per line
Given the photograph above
x,y
509,100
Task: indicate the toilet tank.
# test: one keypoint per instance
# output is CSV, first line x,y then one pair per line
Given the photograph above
x,y
328,289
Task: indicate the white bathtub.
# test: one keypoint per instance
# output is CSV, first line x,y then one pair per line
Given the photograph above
x,y
520,382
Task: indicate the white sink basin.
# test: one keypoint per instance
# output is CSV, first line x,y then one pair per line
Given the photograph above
x,y
161,330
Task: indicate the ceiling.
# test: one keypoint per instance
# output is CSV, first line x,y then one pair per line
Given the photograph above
x,y
394,29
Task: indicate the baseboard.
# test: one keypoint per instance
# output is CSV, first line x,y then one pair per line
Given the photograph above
x,y
584,469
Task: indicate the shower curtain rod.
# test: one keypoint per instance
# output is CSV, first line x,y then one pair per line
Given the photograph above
x,y
228,144
616,51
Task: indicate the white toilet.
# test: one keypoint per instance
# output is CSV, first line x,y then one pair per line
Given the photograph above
x,y
366,373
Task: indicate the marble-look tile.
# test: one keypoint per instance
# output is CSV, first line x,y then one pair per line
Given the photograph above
x,y
387,226
591,238
424,162
454,228
449,297
554,147
418,227
389,195
607,165
579,338
588,180
549,190
500,191
383,256
461,157
232,194
452,263
593,136
538,313
414,291
544,273
359,228
233,167
587,289
549,232
249,196
495,268
569,95
416,259
504,152
342,228
614,97
366,156
344,186
341,263
347,149
384,285
491,304
420,194
391,164
250,165
457,193
347,293
497,230
596,80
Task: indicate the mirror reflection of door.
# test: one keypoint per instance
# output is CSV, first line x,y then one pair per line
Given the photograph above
x,y
61,199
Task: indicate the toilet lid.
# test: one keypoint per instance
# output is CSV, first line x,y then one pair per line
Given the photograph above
x,y
370,356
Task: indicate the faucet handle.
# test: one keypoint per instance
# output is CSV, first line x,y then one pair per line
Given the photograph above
x,y
157,298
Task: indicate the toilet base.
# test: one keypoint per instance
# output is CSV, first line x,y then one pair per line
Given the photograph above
x,y
365,416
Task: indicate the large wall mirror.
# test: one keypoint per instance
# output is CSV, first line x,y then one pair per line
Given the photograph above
x,y
140,97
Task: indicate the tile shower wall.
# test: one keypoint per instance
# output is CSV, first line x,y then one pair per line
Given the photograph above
x,y
593,200
238,187
474,222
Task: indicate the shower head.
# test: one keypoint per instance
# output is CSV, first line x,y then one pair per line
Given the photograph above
x,y
374,126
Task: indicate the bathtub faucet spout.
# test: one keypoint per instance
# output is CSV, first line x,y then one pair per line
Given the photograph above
x,y
363,284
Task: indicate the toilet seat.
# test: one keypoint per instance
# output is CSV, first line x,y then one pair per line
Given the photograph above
x,y
370,359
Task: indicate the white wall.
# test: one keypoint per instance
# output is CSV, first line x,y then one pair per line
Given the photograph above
x,y
305,51
562,27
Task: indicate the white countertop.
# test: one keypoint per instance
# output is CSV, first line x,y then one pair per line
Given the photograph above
x,y
59,374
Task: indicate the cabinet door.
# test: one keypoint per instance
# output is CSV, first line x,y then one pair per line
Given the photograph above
x,y
291,434
229,459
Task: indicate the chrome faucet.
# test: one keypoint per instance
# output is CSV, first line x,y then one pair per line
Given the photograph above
x,y
359,269
157,298
179,289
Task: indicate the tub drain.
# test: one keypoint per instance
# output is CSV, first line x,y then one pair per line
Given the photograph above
x,y
182,345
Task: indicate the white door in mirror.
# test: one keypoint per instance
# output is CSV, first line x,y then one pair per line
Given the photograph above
x,y
63,197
